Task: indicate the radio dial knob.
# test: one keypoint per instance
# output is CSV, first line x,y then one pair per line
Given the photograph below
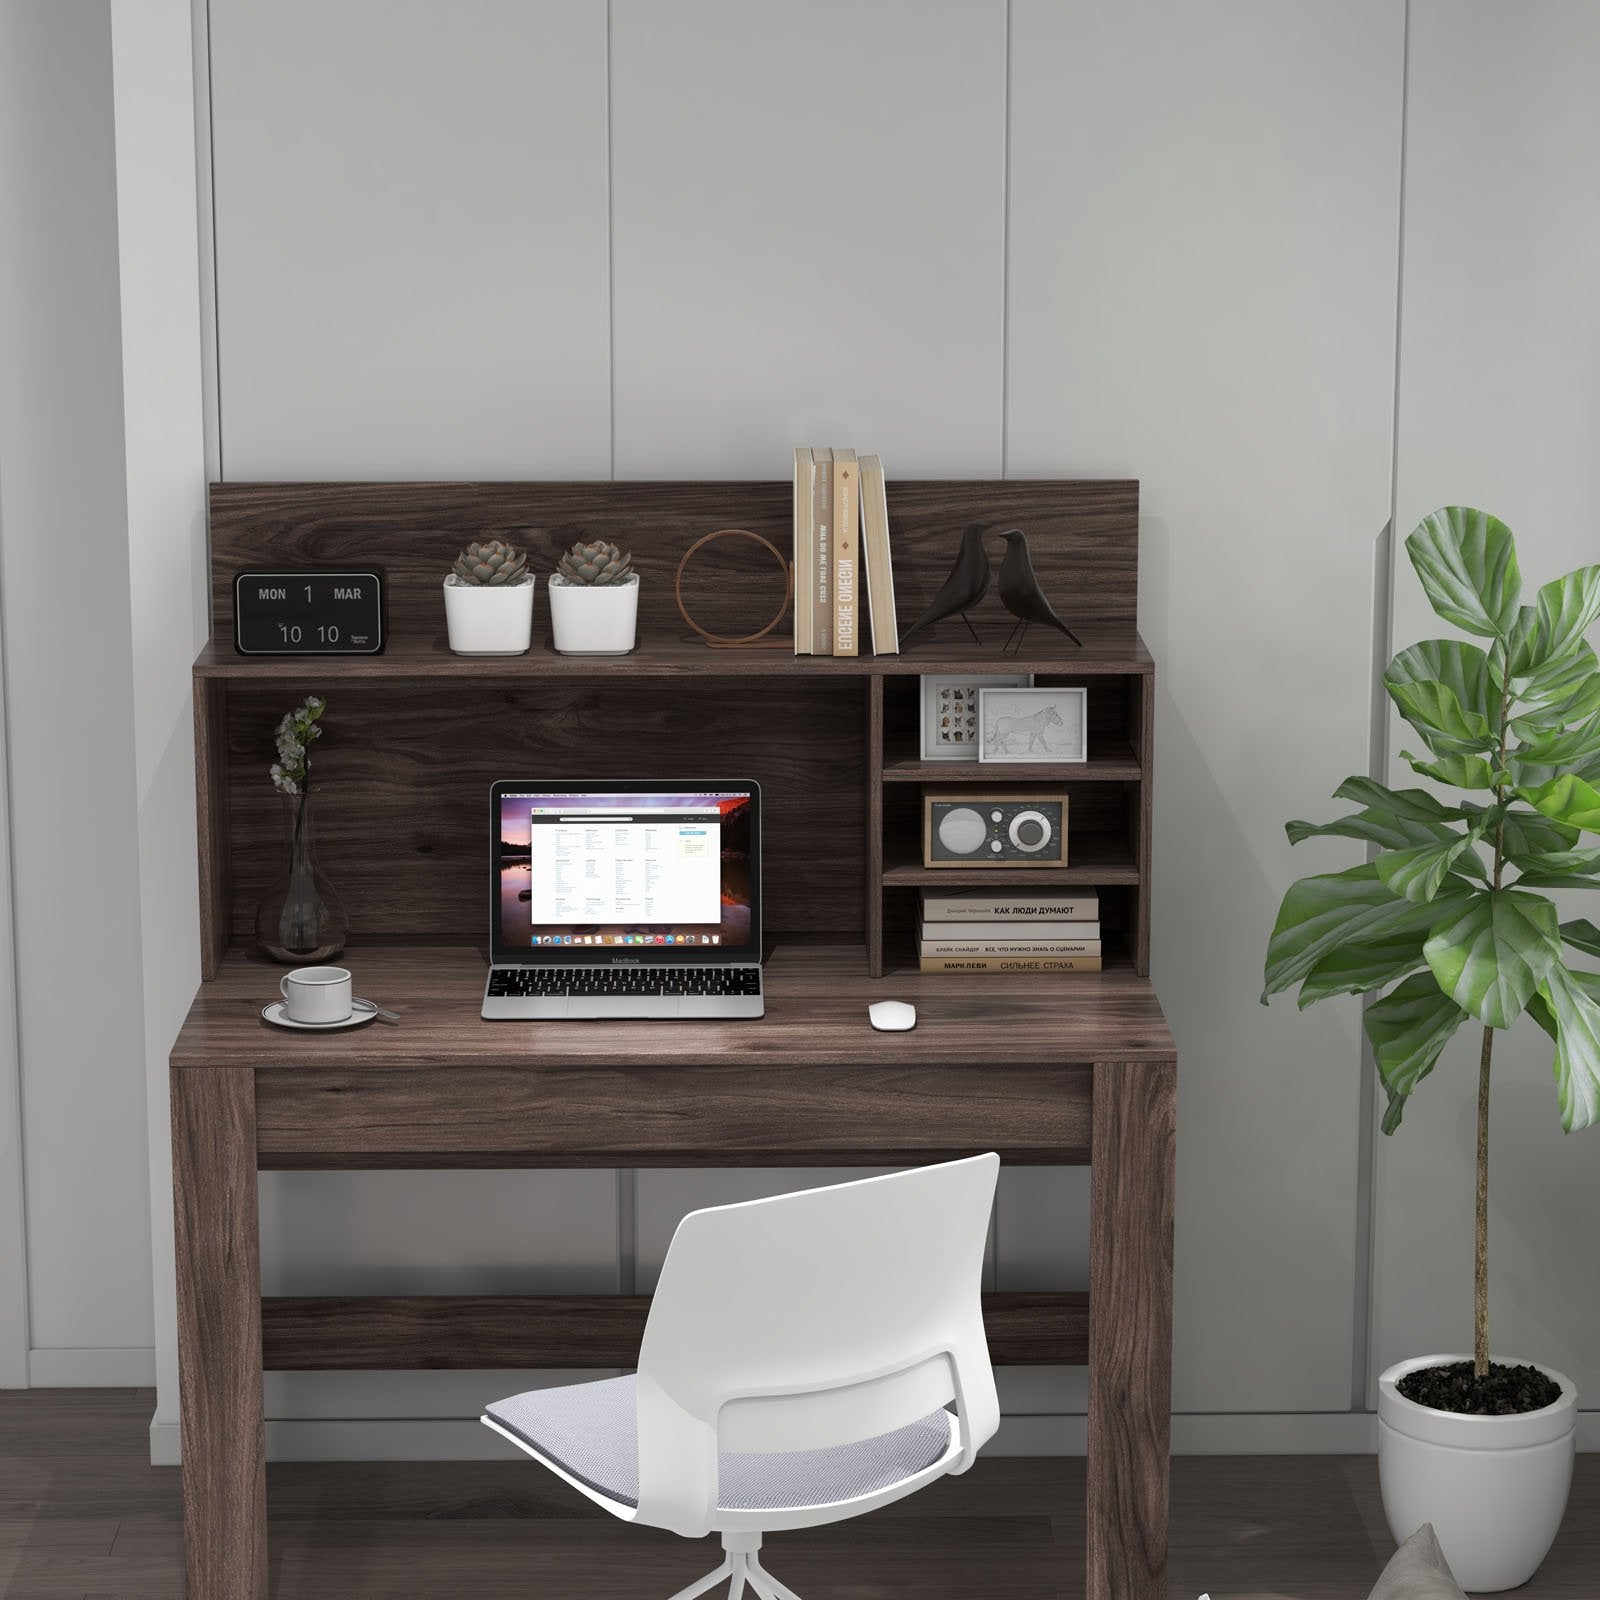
x,y
1030,831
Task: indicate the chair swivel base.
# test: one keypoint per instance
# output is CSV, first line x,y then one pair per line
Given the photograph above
x,y
741,1566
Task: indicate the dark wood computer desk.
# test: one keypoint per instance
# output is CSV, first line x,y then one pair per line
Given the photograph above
x,y
1044,1070
1080,1075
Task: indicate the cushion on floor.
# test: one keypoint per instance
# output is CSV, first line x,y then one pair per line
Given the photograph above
x,y
590,1430
1418,1571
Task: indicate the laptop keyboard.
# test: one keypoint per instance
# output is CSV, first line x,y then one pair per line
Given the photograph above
x,y
518,983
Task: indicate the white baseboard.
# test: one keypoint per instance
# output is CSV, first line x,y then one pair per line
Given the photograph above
x,y
464,1439
65,1368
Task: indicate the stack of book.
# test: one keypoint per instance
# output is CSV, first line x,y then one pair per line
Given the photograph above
x,y
985,930
842,571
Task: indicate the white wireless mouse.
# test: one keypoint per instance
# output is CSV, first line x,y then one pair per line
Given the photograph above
x,y
892,1016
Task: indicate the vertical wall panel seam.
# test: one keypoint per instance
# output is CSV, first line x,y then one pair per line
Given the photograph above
x,y
1365,1307
206,191
11,1045
1005,260
611,267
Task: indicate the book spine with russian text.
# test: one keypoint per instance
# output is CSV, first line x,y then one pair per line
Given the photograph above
x,y
802,557
846,548
1010,963
821,552
998,932
1018,947
1003,908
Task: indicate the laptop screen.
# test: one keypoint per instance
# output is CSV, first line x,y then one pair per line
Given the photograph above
x,y
617,873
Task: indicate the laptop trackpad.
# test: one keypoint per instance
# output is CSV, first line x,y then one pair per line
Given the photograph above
x,y
622,1005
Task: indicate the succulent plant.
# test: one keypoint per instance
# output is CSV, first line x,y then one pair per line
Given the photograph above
x,y
595,565
490,564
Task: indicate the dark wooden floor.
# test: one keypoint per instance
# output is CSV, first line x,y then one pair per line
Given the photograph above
x,y
83,1515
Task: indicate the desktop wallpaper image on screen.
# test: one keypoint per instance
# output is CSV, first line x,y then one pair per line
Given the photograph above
x,y
731,929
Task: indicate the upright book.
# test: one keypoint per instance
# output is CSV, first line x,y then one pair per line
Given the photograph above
x,y
846,553
803,564
883,626
821,552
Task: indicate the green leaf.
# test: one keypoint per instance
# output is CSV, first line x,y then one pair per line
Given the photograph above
x,y
1374,826
1435,712
1569,799
1559,678
1564,746
1582,935
1467,561
1416,805
1492,954
1539,1010
1557,869
1579,706
1529,833
1408,1028
1320,914
1575,1000
1361,968
1419,872
1459,771
1566,609
1572,862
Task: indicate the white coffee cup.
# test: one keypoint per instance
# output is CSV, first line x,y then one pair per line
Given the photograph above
x,y
316,994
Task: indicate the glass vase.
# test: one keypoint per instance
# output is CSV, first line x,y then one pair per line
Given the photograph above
x,y
301,919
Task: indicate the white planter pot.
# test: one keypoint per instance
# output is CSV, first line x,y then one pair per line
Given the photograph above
x,y
594,620
489,621
1494,1488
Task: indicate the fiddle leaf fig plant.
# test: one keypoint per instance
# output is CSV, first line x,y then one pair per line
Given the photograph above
x,y
1448,918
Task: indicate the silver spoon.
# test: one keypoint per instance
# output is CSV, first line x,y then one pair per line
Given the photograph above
x,y
379,1011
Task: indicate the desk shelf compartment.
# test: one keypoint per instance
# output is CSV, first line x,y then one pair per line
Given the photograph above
x,y
1108,812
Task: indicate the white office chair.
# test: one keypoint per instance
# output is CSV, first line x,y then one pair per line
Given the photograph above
x,y
795,1370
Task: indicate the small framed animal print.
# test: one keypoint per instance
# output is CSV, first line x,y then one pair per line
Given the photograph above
x,y
950,712
1019,727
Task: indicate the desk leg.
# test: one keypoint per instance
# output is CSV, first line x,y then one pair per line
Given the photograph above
x,y
219,1333
1130,1328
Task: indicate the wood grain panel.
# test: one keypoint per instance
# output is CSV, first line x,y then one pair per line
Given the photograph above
x,y
403,822
817,997
219,1334
874,827
211,804
482,1332
1084,537
722,1114
1130,1328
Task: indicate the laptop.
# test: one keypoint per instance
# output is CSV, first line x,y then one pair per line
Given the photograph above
x,y
625,900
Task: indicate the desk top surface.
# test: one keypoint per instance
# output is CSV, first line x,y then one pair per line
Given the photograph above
x,y
817,999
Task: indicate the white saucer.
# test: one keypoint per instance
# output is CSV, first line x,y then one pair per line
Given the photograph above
x,y
277,1013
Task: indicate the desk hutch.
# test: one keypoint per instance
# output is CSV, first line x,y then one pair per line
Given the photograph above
x,y
1061,1069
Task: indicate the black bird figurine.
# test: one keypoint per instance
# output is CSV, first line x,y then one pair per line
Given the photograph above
x,y
967,584
1020,593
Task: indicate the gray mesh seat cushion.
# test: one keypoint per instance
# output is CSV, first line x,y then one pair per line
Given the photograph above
x,y
590,1430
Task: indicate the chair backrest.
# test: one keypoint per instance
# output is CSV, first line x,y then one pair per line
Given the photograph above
x,y
814,1319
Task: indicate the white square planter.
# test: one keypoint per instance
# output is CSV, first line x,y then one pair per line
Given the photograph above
x,y
496,620
594,619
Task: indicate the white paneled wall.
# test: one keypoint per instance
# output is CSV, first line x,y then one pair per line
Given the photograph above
x,y
70,702
1499,408
411,238
1204,204
807,231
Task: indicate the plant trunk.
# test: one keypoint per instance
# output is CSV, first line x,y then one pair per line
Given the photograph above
x,y
1480,1254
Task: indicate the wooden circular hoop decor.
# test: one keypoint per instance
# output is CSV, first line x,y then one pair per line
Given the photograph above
x,y
750,641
